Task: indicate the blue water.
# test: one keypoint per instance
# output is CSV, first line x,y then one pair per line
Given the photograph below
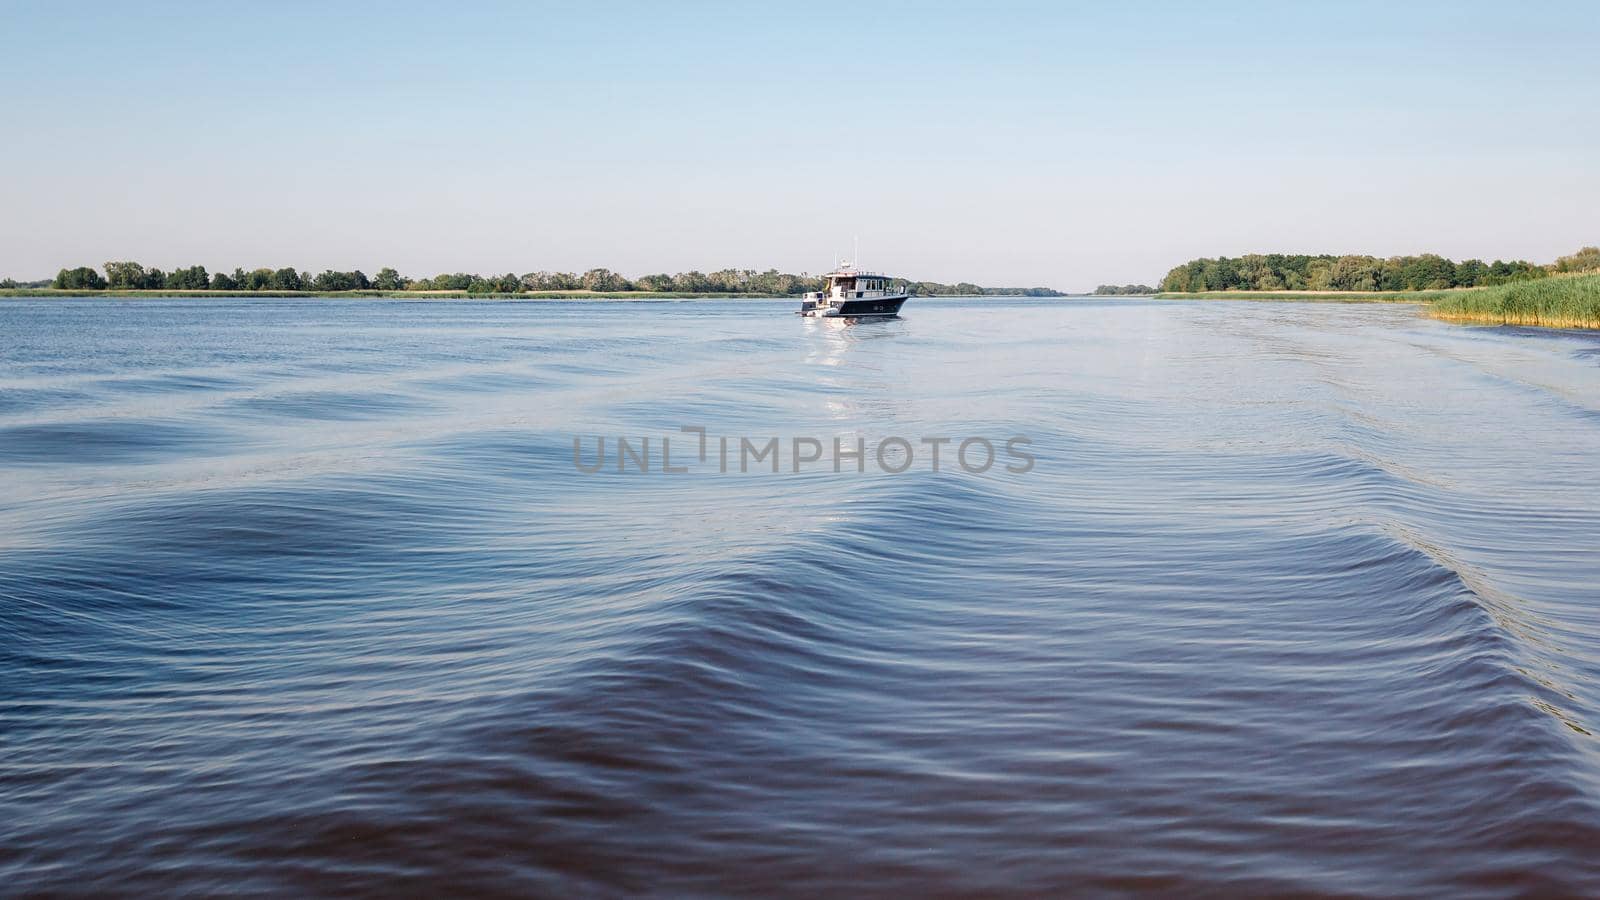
x,y
311,597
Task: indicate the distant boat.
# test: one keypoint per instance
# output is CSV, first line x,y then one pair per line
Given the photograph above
x,y
851,294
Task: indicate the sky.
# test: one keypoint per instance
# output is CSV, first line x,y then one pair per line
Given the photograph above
x,y
1057,144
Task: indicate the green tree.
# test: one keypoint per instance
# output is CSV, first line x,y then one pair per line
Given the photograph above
x,y
691,282
1319,275
1391,275
80,278
549,281
330,280
131,276
1585,260
1427,272
388,280
654,283
1522,270
1471,272
603,280
1180,279
193,278
124,275
222,282
1220,274
1252,268
1355,273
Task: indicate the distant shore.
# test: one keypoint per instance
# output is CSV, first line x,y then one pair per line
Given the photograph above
x,y
1561,294
131,277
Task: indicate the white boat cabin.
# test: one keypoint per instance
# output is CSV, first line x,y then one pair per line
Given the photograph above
x,y
848,284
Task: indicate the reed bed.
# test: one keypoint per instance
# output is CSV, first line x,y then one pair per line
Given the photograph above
x,y
1556,302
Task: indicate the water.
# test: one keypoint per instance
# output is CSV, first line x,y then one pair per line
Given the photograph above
x,y
309,596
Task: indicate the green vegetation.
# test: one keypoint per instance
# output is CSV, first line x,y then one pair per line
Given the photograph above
x,y
1124,290
1285,272
1585,260
131,277
1566,301
81,278
1563,294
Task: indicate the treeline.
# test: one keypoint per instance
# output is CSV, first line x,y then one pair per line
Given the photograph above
x,y
133,276
1123,290
1280,272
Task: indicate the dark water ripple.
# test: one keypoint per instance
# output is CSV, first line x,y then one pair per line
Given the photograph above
x,y
308,597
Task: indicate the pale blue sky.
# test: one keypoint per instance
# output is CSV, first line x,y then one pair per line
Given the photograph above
x,y
1060,144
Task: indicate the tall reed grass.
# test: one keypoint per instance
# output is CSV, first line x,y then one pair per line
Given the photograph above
x,y
1556,302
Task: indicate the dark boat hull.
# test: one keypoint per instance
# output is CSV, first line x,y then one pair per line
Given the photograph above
x,y
873,307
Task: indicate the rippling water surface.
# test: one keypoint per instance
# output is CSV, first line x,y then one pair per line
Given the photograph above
x,y
309,596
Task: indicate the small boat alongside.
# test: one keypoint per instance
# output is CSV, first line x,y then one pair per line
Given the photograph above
x,y
852,294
